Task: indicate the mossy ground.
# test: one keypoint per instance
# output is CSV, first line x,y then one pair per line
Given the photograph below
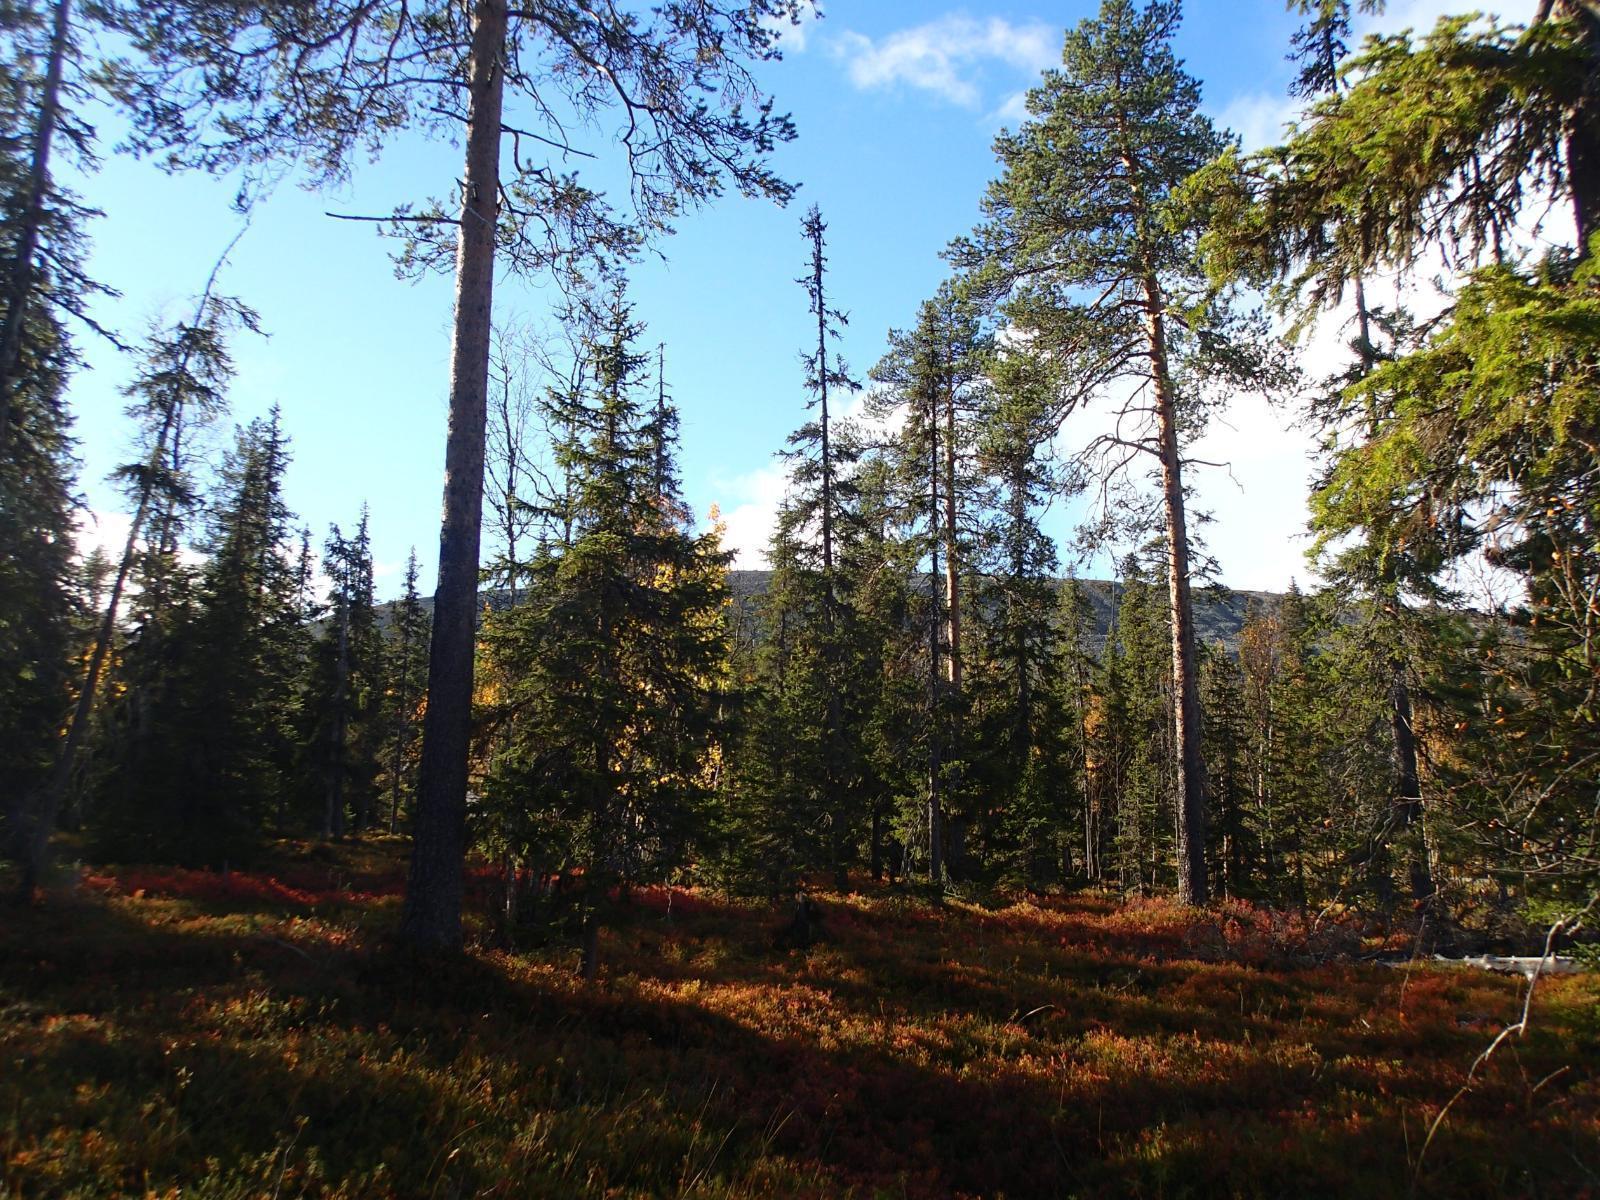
x,y
171,1033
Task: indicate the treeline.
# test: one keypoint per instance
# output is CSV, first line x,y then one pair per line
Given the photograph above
x,y
918,699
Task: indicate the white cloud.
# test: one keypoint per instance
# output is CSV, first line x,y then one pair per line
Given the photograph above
x,y
1258,534
1014,111
946,56
1422,15
750,512
103,531
1258,118
795,35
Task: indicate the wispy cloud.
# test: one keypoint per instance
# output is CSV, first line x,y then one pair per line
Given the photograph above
x,y
947,56
795,35
1259,118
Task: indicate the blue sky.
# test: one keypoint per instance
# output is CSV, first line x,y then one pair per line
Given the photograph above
x,y
897,104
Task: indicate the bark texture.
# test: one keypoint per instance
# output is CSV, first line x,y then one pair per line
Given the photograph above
x,y
432,917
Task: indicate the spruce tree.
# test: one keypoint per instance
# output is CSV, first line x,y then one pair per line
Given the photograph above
x,y
195,774
929,378
1022,733
1440,144
810,700
41,283
406,679
1139,727
42,247
37,508
1222,692
180,390
342,702
614,668
891,656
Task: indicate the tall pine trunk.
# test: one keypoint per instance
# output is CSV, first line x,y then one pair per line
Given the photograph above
x,y
21,281
1191,778
432,917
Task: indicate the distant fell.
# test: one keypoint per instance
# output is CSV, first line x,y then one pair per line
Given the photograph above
x,y
1219,613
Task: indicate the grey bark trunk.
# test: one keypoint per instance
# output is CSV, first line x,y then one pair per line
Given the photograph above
x,y
431,920
1408,796
1191,778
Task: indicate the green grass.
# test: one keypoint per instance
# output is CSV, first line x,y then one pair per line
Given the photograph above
x,y
165,1033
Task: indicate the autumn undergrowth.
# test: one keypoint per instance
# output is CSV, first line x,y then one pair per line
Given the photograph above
x,y
170,1033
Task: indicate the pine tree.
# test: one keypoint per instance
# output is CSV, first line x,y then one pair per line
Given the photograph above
x,y
1086,206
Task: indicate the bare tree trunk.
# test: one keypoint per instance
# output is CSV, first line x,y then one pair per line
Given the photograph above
x,y
589,966
1091,822
1408,798
432,917
32,219
1191,778
513,450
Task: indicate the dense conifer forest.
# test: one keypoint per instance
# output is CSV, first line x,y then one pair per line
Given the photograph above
x,y
914,864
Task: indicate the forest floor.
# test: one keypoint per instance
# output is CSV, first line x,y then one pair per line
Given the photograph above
x,y
169,1033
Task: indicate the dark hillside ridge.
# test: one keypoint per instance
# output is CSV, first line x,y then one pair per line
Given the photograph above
x,y
1219,613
